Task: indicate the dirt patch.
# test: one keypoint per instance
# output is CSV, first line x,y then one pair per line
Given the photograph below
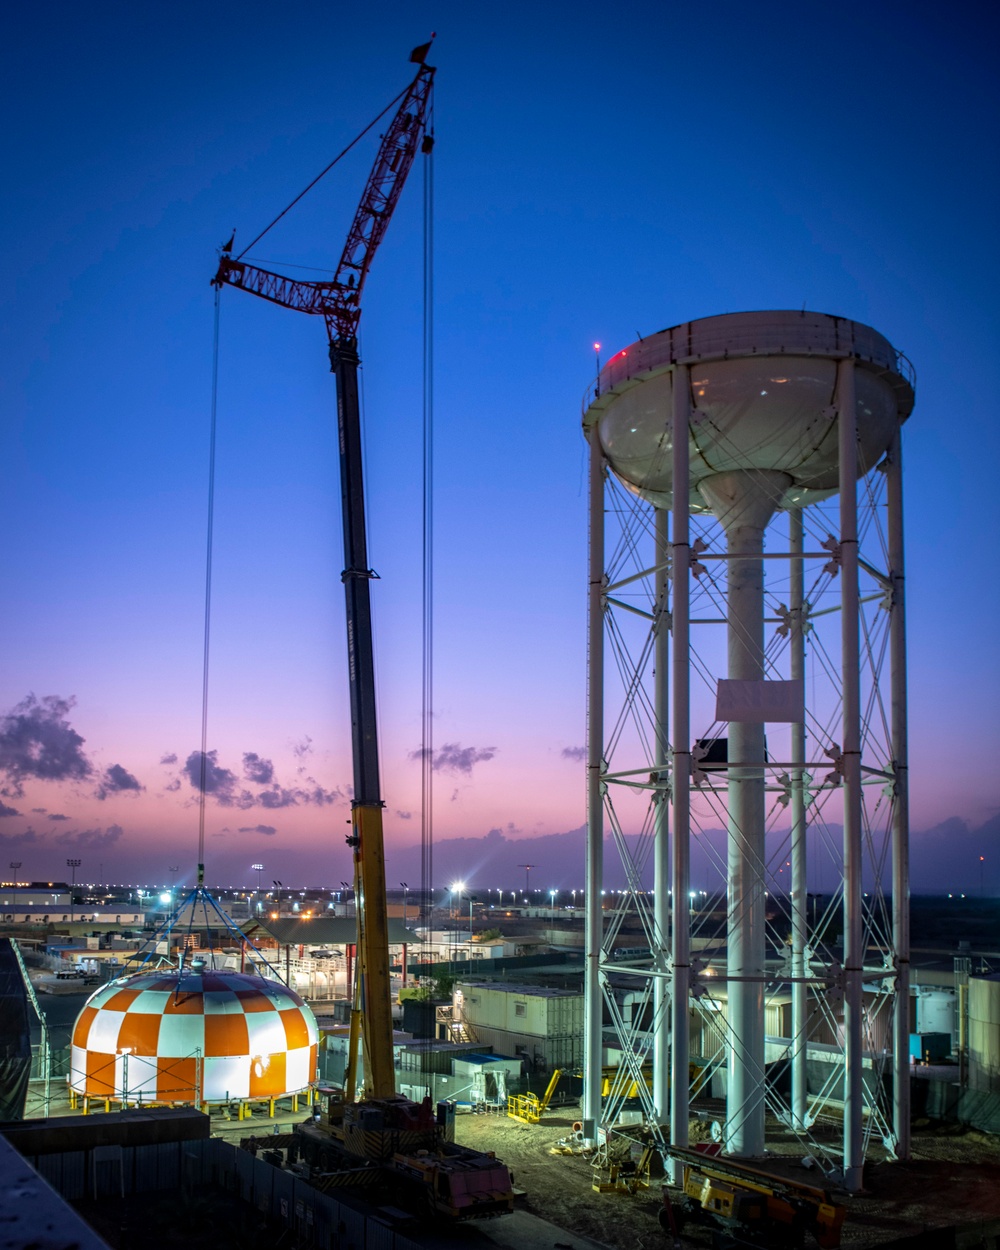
x,y
953,1178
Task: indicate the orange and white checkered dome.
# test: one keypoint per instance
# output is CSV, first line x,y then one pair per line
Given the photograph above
x,y
199,1035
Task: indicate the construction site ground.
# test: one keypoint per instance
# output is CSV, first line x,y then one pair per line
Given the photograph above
x,y
953,1179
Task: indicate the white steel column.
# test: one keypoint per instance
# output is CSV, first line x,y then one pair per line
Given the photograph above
x,y
661,815
680,860
851,770
744,502
593,989
799,899
901,807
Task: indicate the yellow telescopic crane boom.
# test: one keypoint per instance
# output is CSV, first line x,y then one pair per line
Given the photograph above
x,y
338,302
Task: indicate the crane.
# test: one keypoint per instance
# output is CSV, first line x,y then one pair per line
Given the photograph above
x,y
384,1143
338,302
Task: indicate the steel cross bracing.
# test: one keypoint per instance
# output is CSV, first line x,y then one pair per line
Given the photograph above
x,y
635,782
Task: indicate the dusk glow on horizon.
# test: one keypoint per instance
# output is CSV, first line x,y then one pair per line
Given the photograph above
x,y
592,185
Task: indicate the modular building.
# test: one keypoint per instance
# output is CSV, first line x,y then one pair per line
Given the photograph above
x,y
542,1026
984,1033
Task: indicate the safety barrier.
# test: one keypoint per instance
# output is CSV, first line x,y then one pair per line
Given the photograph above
x,y
314,1218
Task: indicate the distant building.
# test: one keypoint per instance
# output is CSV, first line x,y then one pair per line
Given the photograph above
x,y
63,915
44,894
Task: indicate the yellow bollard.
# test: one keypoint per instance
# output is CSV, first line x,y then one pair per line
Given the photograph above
x,y
86,1106
270,1108
295,1102
107,1106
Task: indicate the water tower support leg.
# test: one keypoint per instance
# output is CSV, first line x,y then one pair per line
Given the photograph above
x,y
901,808
851,768
798,839
681,865
661,816
593,993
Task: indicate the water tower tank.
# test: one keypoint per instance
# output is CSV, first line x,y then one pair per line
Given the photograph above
x,y
198,1035
762,398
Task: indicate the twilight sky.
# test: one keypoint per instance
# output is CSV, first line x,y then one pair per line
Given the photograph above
x,y
600,173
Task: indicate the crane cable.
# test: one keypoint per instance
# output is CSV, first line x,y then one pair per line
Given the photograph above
x,y
322,174
427,625
203,772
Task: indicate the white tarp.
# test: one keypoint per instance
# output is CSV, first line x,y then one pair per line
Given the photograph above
x,y
755,702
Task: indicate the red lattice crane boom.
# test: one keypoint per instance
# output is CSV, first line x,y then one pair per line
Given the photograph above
x,y
338,300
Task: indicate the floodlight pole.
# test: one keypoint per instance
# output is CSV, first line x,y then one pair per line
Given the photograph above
x,y
73,865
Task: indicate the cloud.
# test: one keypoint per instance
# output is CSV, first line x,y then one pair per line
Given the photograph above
x,y
37,741
8,811
258,770
452,758
404,815
278,797
221,783
579,754
57,816
91,839
116,779
268,830
170,758
18,839
320,796
225,787
510,828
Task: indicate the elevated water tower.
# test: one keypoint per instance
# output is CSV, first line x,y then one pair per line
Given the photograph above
x,y
759,704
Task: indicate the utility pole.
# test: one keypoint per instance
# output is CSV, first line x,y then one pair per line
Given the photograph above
x,y
527,874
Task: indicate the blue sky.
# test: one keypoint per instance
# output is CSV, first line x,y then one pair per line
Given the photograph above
x,y
598,174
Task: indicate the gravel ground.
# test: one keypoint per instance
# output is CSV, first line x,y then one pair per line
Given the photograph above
x,y
953,1178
